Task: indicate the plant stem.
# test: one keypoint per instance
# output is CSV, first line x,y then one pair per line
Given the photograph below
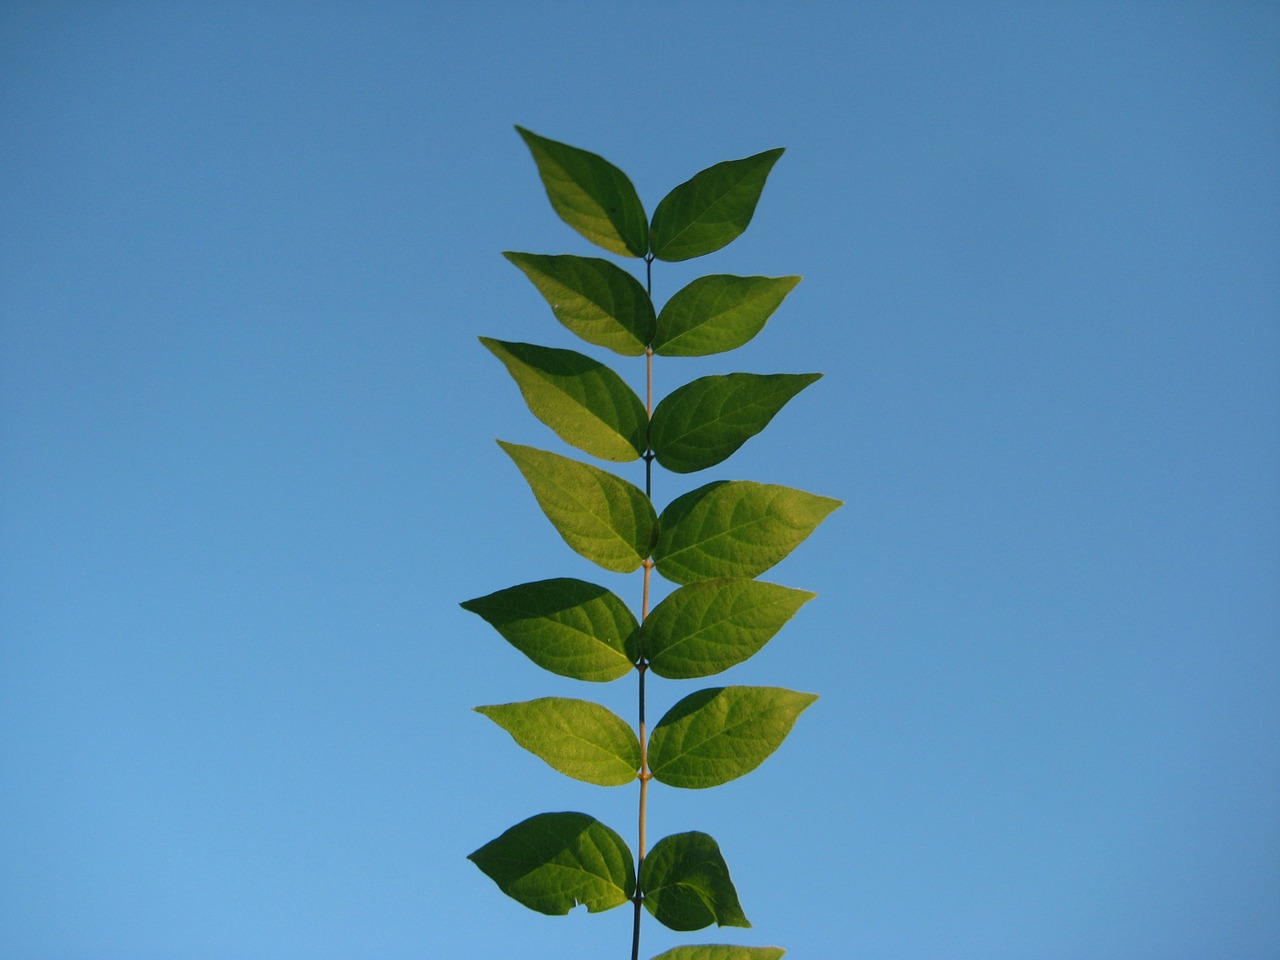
x,y
642,667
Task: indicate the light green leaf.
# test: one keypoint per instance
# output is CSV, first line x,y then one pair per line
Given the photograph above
x,y
718,313
686,884
721,951
583,401
582,740
591,195
717,735
736,528
596,299
567,626
710,210
704,422
604,518
554,861
711,625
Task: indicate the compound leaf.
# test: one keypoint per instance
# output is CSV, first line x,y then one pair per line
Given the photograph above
x,y
717,735
721,951
711,625
718,313
736,528
604,518
704,422
711,209
686,884
570,627
582,740
554,861
596,299
583,401
592,195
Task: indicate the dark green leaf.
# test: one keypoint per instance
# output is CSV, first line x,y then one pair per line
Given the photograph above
x,y
686,884
717,735
711,625
604,518
591,195
734,528
554,861
718,313
567,626
582,740
710,210
721,951
596,299
703,422
583,401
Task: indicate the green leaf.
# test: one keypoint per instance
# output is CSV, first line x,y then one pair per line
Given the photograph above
x,y
607,520
717,735
711,625
718,313
567,626
582,740
721,951
734,528
591,195
710,210
704,422
686,884
554,861
596,299
583,401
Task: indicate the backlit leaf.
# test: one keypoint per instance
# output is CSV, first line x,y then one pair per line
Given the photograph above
x,y
604,518
583,401
581,739
717,735
718,313
686,884
567,626
554,861
591,195
721,951
711,209
596,299
736,528
703,422
711,625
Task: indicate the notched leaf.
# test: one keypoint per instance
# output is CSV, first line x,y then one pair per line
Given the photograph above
x,y
554,861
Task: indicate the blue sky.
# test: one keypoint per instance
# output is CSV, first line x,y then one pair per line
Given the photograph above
x,y
247,470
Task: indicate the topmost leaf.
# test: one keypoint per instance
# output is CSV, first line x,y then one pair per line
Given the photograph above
x,y
703,214
591,195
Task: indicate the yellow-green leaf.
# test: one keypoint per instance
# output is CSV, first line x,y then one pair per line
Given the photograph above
x,y
736,528
583,401
581,739
596,299
591,195
717,735
606,519
570,627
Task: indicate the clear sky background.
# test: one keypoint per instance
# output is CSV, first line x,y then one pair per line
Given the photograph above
x,y
248,470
